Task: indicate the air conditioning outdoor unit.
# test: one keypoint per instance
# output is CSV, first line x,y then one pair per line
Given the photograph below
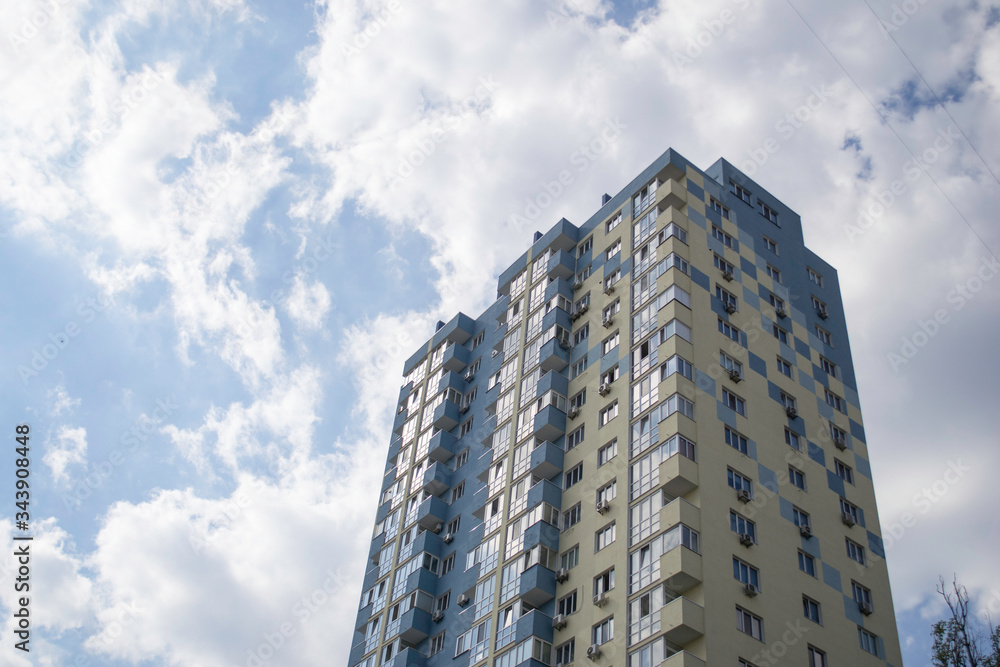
x,y
463,600
743,496
840,441
865,608
728,275
562,574
448,537
604,389
438,616
734,375
469,377
780,311
609,289
608,321
600,600
730,307
559,621
603,507
750,590
805,531
746,540
594,651
573,413
848,519
791,411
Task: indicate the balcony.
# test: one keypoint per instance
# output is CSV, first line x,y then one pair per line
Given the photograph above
x,y
545,492
437,479
562,265
678,511
546,461
541,533
678,475
534,624
682,659
682,621
456,358
538,585
553,356
680,569
673,194
451,380
399,420
458,330
550,423
442,446
407,657
415,626
446,416
431,512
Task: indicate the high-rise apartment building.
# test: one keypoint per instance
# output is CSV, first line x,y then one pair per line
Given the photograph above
x,y
648,451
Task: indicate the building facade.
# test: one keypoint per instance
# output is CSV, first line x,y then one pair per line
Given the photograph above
x,y
648,451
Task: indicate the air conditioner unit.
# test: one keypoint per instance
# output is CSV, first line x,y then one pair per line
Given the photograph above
x,y
743,496
575,315
464,408
750,590
562,574
728,275
437,528
584,308
495,353
822,312
469,377
463,600
577,284
865,608
559,621
730,307
791,411
609,289
604,389
594,651
565,344
780,311
848,519
448,537
840,441
805,531
401,410
746,540
735,376
437,616
603,506
608,320
573,413
600,600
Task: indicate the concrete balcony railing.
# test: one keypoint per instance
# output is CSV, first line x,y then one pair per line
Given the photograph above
x,y
682,621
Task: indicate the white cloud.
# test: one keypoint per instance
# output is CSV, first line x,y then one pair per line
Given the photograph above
x,y
61,401
68,448
308,305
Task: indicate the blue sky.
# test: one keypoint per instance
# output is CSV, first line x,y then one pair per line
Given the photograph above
x,y
224,224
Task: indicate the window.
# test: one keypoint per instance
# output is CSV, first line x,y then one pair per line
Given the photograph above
x,y
574,475
776,302
718,207
462,458
787,400
850,509
730,364
448,564
578,368
828,366
613,250
608,492
585,247
612,309
567,605
583,275
780,334
720,235
604,537
729,330
807,563
746,573
725,296
474,368
834,401
810,609
823,335
607,452
571,517
771,245
741,525
734,402
800,517
610,343
457,492
736,441
792,439
767,211
604,631
453,525
797,478
739,482
843,471
869,642
581,334
478,340
464,430
437,644
740,191
565,652
815,277
613,222
610,376
441,603
604,582
784,367
582,301
610,281
607,414
574,438
774,273
750,624
723,265
579,399
861,594
818,306
855,551
571,558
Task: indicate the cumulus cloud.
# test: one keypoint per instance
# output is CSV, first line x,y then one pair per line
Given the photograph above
x,y
308,305
68,448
